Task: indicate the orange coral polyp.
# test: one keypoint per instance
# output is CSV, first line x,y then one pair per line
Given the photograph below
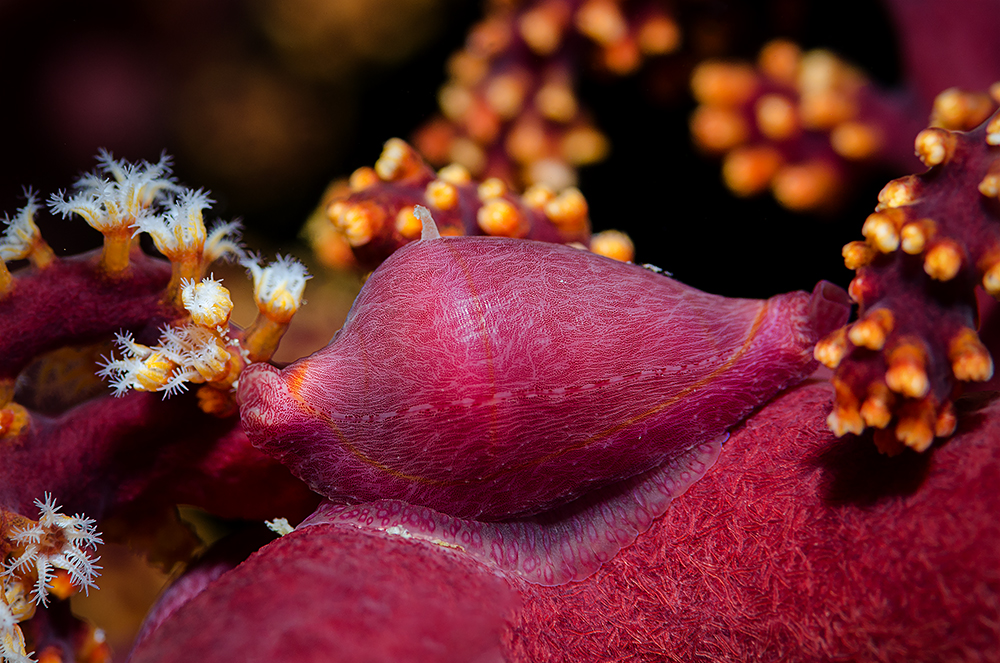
x,y
846,415
872,330
398,161
779,60
857,254
960,110
440,194
876,411
543,27
914,236
970,360
613,244
776,117
899,192
943,260
718,129
749,170
991,279
568,210
807,186
856,140
934,146
907,374
832,349
880,230
659,35
407,224
362,178
500,218
723,83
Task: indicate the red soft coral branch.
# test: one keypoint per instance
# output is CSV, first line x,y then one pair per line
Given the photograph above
x,y
931,240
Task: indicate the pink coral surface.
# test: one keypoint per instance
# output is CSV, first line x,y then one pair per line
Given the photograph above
x,y
329,594
796,546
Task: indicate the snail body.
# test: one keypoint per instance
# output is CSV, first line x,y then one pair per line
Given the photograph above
x,y
492,378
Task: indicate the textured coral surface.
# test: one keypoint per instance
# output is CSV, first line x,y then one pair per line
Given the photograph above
x,y
794,547
800,547
325,594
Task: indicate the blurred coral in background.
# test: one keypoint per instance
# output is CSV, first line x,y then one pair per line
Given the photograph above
x,y
264,102
258,100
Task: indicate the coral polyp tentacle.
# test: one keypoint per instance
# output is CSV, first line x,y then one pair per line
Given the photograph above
x,y
49,556
117,206
932,239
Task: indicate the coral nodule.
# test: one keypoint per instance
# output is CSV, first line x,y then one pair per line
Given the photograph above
x,y
494,379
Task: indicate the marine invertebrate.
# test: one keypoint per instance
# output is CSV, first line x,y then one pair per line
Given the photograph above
x,y
441,605
492,378
796,546
931,240
55,541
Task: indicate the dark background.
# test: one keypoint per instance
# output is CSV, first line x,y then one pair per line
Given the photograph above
x,y
211,84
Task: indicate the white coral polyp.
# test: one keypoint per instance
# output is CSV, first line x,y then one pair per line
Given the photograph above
x,y
21,232
278,288
119,203
185,353
56,541
208,302
179,232
198,352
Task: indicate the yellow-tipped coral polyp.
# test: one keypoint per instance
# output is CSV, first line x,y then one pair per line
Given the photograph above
x,y
115,206
278,287
208,302
196,351
140,368
22,239
277,291
179,233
